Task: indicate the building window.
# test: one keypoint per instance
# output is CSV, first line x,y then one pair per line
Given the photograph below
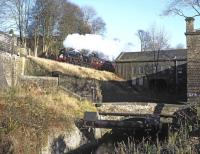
x,y
180,70
134,82
141,81
161,68
133,70
123,70
154,69
141,70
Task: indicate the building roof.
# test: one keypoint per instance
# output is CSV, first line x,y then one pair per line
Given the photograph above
x,y
7,34
1,32
179,54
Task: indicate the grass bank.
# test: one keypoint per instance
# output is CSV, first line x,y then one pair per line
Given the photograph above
x,y
28,114
75,70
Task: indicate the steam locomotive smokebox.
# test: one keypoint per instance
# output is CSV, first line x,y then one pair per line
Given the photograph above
x,y
91,116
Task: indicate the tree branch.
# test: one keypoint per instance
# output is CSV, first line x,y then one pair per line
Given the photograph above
x,y
196,10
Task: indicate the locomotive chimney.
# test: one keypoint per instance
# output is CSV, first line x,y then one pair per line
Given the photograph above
x,y
189,24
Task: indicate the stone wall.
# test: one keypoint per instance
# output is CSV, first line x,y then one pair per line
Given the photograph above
x,y
85,88
43,82
7,42
20,70
193,58
79,87
33,69
146,70
10,69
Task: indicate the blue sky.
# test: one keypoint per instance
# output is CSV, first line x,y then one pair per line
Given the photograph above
x,y
124,17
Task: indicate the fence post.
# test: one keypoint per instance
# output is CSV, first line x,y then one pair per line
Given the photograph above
x,y
93,93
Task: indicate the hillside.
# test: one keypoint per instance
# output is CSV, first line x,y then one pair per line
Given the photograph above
x,y
75,70
29,115
111,87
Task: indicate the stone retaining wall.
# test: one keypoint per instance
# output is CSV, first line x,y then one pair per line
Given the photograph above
x,y
43,82
33,69
10,69
85,88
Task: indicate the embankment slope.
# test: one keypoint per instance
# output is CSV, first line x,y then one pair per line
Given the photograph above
x,y
31,118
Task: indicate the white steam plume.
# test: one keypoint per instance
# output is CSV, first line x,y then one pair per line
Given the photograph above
x,y
111,48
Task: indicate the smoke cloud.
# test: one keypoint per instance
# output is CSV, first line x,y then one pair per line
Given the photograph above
x,y
91,42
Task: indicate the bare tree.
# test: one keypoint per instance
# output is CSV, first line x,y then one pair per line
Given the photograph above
x,y
158,38
43,27
49,14
15,14
153,39
45,23
89,13
72,21
98,26
179,7
52,21
96,23
144,38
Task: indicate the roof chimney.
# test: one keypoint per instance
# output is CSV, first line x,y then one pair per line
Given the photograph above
x,y
189,24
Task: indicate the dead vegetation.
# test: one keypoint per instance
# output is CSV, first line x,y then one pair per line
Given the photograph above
x,y
75,70
198,109
29,114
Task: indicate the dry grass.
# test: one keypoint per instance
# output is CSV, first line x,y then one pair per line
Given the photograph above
x,y
173,146
198,109
29,114
75,70
179,142
39,103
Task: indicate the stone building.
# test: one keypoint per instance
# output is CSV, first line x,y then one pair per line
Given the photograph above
x,y
193,60
171,72
163,71
7,41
